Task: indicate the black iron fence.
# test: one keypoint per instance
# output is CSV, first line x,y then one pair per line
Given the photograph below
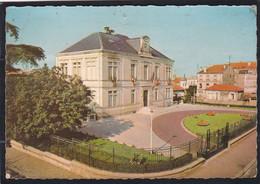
x,y
135,160
213,142
128,160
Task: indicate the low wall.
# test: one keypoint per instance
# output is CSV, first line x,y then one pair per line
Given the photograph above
x,y
227,102
121,110
236,140
90,172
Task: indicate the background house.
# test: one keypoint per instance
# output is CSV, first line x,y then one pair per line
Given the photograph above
x,y
224,94
242,75
186,82
178,92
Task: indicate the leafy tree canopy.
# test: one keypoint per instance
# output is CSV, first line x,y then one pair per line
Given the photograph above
x,y
43,102
189,94
21,53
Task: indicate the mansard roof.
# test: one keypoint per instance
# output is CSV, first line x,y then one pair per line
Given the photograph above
x,y
111,42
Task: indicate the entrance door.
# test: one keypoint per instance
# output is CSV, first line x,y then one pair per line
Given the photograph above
x,y
145,96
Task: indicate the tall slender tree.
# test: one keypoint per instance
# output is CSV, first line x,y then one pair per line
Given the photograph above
x,y
21,53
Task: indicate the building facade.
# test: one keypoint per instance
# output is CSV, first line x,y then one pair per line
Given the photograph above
x,y
123,74
229,94
242,75
186,82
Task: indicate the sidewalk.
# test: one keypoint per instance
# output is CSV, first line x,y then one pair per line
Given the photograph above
x,y
32,167
229,162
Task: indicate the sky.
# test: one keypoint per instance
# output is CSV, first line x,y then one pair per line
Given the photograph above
x,y
192,36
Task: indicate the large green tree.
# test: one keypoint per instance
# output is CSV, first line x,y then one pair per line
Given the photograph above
x,y
21,53
43,102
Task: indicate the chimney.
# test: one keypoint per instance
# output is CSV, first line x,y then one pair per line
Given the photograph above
x,y
107,30
111,31
205,69
224,66
249,63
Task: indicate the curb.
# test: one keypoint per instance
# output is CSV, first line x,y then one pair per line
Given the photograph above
x,y
246,168
238,139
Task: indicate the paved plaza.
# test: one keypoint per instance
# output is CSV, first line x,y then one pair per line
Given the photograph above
x,y
134,129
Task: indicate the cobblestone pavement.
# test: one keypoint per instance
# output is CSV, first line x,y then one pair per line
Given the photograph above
x,y
229,162
32,167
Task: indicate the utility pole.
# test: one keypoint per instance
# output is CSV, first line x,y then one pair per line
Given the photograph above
x,y
194,91
151,138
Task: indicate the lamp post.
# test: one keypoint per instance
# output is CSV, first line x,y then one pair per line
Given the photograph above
x,y
151,139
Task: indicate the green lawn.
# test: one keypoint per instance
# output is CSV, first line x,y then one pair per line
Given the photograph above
x,y
103,150
124,152
215,122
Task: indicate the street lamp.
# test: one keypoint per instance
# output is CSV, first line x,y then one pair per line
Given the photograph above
x,y
151,139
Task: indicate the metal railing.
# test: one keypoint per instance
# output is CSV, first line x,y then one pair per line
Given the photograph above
x,y
213,142
128,159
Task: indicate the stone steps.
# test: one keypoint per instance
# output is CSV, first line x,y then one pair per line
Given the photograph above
x,y
144,110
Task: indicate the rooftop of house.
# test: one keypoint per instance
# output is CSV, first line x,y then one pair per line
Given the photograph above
x,y
112,42
18,73
221,68
223,87
176,87
177,80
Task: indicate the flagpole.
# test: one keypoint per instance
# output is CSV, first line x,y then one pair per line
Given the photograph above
x,y
151,133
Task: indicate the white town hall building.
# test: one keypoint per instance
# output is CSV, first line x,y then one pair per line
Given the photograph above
x,y
124,74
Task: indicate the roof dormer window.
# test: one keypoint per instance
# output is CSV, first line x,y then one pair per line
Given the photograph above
x,y
145,46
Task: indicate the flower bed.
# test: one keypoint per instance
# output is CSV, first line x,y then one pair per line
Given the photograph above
x,y
247,117
210,113
202,123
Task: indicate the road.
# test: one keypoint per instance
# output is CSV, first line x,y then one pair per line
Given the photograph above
x,y
229,162
32,167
